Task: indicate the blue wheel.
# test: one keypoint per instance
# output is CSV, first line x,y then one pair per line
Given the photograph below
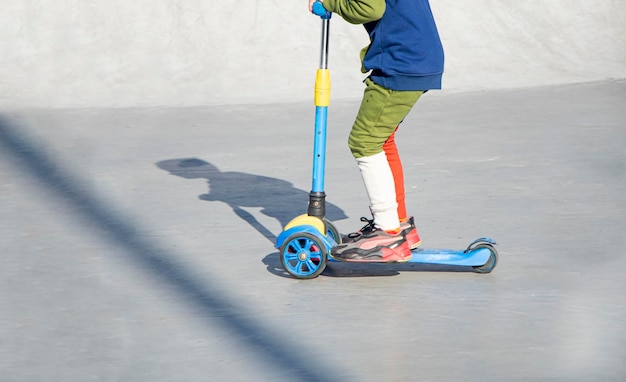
x,y
303,255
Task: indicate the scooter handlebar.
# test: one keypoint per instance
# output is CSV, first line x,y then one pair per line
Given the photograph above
x,y
319,10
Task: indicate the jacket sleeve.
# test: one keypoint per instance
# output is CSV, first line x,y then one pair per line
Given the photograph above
x,y
357,11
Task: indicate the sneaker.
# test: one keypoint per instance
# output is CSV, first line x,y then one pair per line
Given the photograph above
x,y
366,229
377,246
409,230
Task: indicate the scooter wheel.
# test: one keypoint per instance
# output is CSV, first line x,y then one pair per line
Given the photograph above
x,y
491,262
303,255
332,231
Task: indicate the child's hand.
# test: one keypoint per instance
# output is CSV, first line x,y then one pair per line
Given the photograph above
x,y
311,2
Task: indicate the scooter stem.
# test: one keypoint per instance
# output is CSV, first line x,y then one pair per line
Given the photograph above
x,y
317,203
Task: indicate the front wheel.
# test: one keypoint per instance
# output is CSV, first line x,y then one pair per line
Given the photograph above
x,y
303,255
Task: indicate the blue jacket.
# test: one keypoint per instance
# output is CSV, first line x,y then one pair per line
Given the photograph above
x,y
405,51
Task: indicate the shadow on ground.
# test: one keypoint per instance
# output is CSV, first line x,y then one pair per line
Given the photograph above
x,y
277,198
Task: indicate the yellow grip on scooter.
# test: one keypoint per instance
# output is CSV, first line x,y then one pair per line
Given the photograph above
x,y
322,87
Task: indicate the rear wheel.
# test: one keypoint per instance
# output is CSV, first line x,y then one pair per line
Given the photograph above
x,y
491,262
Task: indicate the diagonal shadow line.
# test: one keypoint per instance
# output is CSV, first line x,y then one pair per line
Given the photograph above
x,y
213,302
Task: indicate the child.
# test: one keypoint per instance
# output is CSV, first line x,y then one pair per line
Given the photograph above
x,y
405,59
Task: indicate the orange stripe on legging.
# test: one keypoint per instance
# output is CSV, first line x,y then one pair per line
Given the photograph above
x,y
391,151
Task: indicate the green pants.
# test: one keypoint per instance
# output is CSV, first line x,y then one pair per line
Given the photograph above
x,y
380,113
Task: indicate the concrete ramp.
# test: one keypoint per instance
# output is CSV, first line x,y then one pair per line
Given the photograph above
x,y
509,44
73,53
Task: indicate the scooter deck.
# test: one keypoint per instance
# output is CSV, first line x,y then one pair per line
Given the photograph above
x,y
480,254
440,256
471,258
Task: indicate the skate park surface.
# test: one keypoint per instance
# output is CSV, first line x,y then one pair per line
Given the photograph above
x,y
137,234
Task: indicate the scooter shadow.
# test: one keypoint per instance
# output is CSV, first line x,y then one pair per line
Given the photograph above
x,y
341,269
275,197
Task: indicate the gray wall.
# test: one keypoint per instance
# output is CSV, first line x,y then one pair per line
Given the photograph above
x,y
77,53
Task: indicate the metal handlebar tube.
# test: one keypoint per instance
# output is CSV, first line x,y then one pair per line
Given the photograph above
x,y
324,48
317,196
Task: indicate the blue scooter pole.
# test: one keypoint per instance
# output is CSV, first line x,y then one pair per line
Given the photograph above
x,y
317,196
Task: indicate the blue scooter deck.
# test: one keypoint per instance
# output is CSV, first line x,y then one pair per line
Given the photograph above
x,y
438,256
480,255
471,258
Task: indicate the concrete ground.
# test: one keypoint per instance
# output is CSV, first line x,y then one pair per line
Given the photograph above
x,y
137,244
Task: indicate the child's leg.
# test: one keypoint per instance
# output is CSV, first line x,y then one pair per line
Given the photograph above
x,y
379,115
407,223
393,157
379,185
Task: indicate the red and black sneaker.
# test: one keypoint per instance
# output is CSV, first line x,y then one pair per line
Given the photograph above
x,y
376,246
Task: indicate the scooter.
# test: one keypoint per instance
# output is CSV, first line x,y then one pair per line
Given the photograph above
x,y
306,241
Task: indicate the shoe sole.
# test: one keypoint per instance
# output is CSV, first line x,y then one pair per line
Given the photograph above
x,y
399,260
372,261
415,245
